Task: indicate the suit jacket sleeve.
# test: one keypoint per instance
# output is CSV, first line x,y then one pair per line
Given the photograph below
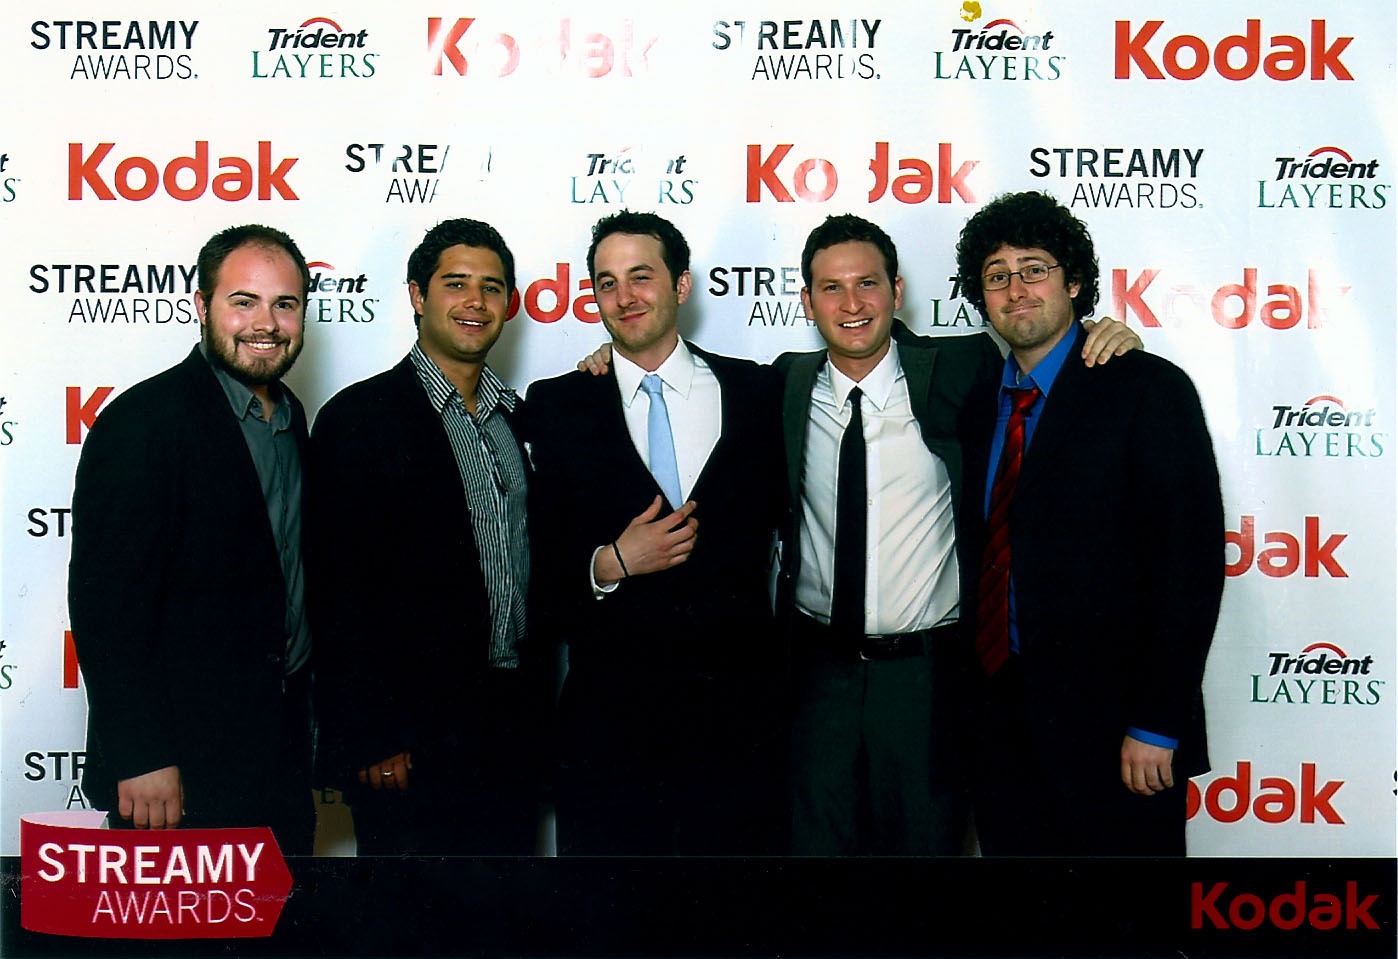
x,y
564,528
123,500
1181,514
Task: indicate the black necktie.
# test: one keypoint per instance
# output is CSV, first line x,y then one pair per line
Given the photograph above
x,y
851,527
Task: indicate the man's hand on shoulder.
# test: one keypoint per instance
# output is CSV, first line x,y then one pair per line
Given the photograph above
x,y
153,800
597,361
1145,769
1107,338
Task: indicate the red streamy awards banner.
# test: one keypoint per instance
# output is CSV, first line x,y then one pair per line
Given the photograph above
x,y
157,884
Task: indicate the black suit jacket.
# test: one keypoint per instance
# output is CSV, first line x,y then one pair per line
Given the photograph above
x,y
712,612
942,373
176,597
1116,539
399,603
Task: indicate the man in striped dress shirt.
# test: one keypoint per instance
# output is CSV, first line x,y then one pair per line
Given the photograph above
x,y
428,699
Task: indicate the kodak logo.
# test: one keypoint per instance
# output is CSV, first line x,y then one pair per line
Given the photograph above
x,y
1283,553
1235,57
183,178
1288,910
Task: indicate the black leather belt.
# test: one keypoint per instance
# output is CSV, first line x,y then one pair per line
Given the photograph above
x,y
817,635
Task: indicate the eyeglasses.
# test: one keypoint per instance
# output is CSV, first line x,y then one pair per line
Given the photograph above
x,y
1033,273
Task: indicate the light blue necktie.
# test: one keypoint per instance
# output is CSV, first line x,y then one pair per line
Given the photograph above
x,y
662,441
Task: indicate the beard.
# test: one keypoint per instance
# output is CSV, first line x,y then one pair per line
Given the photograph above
x,y
251,371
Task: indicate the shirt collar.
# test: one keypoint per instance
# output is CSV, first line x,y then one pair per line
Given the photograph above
x,y
1046,371
243,400
877,385
677,372
491,391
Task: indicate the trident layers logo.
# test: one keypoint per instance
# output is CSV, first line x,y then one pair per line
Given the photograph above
x,y
1001,49
1326,178
1321,674
1322,427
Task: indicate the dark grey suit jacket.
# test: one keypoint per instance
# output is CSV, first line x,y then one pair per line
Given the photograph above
x,y
943,372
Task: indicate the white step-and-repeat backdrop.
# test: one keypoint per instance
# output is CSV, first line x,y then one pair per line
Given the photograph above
x,y
1235,164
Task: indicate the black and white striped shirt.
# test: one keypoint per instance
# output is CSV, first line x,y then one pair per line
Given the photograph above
x,y
492,472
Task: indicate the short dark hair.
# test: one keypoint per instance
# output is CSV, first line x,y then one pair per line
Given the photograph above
x,y
224,242
422,263
1028,219
848,228
672,243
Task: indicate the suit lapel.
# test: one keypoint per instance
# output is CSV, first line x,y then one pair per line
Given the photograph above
x,y
917,365
1061,417
796,414
610,419
729,416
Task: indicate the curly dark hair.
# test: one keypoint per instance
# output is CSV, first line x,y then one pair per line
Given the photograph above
x,y
221,244
422,263
846,228
672,242
1028,219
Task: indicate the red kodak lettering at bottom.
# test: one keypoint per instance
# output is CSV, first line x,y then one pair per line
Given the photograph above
x,y
1247,910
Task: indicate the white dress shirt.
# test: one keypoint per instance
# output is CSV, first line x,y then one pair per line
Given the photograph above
x,y
693,400
911,572
695,406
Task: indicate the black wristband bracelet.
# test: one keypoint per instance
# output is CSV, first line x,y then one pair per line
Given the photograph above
x,y
625,573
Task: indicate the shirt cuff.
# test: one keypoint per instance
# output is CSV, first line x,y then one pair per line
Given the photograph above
x,y
1152,739
599,591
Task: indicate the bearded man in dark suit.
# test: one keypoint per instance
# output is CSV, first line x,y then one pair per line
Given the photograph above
x,y
186,589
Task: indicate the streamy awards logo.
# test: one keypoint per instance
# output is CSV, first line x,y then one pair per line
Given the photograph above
x,y
827,49
1134,178
120,49
771,295
126,295
60,772
1001,49
407,173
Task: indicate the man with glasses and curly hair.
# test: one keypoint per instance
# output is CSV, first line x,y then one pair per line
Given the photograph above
x,y
1092,631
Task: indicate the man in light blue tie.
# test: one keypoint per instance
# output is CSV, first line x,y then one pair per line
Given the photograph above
x,y
655,499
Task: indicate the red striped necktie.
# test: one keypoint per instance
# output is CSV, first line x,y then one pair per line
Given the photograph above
x,y
993,594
